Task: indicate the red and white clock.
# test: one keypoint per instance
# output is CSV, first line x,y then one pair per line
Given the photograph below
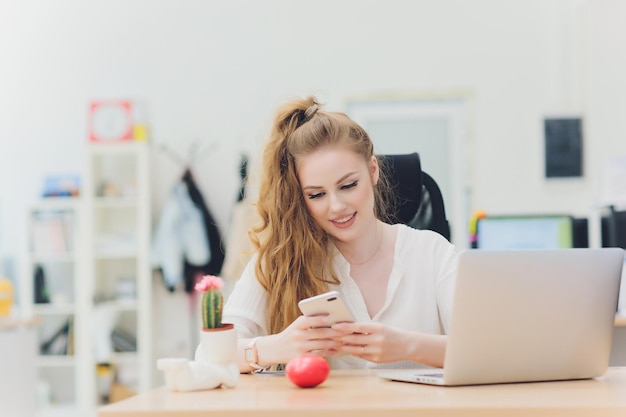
x,y
110,121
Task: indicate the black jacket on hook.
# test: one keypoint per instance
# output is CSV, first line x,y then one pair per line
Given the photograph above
x,y
214,266
243,173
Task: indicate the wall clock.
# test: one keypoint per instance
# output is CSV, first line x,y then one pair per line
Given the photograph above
x,y
110,121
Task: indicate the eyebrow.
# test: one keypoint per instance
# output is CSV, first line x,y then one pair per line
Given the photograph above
x,y
339,181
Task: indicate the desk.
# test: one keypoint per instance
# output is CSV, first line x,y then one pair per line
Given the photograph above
x,y
363,394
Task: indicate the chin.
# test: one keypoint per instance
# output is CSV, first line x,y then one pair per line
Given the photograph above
x,y
345,235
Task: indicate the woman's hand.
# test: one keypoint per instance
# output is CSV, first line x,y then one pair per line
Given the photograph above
x,y
377,343
305,335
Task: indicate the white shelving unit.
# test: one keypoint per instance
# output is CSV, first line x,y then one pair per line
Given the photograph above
x,y
94,251
52,245
116,240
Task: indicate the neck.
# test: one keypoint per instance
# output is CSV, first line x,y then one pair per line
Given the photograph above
x,y
363,253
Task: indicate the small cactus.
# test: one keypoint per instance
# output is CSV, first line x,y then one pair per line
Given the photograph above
x,y
212,301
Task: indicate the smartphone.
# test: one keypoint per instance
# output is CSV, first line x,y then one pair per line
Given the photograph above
x,y
329,303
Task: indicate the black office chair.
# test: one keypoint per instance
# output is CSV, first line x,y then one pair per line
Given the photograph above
x,y
417,197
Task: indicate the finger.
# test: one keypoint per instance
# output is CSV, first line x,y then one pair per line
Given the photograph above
x,y
311,346
325,352
317,345
312,322
354,339
364,328
355,350
323,333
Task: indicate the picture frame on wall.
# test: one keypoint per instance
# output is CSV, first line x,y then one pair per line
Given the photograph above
x,y
563,140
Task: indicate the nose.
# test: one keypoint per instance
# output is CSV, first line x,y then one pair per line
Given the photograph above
x,y
336,203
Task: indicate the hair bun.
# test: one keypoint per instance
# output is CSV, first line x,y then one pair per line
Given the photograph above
x,y
307,114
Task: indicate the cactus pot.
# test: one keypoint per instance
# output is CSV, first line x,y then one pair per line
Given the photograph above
x,y
219,345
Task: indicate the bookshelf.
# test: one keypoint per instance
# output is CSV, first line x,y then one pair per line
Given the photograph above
x,y
49,292
87,284
117,293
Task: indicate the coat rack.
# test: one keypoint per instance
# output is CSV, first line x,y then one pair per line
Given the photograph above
x,y
194,153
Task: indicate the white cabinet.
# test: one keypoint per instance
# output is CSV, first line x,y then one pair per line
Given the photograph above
x,y
117,290
94,311
50,288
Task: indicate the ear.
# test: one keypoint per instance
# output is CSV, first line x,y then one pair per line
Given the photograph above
x,y
374,170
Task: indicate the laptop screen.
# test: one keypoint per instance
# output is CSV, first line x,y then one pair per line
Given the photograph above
x,y
525,232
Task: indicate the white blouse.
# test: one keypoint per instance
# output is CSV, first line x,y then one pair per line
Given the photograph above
x,y
419,293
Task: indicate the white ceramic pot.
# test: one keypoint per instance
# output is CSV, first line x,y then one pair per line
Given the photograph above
x,y
219,345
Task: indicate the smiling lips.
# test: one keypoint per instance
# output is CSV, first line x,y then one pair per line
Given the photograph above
x,y
344,222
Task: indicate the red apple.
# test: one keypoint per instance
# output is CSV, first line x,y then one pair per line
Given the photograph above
x,y
307,370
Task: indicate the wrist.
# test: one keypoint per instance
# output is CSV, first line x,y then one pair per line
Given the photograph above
x,y
257,353
251,355
266,351
428,349
414,352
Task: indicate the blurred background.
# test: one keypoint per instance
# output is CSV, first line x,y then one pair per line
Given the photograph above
x,y
474,86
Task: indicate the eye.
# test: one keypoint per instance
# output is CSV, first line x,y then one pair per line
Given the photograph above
x,y
314,196
348,186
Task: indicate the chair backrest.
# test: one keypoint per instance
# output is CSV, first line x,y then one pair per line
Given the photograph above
x,y
419,202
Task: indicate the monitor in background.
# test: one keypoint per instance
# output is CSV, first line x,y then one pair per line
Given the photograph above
x,y
528,232
613,229
580,230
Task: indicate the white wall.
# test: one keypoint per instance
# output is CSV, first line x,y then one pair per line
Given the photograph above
x,y
216,70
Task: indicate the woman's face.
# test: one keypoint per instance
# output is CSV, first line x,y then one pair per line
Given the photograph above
x,y
337,185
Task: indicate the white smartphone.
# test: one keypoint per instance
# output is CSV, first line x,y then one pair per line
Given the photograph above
x,y
329,303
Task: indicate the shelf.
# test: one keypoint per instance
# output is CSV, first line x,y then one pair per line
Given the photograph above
x,y
117,256
66,257
57,203
127,305
114,254
52,230
56,361
91,248
121,305
53,309
122,358
123,148
54,227
115,202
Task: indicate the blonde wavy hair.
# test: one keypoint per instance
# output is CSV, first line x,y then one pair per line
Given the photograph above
x,y
293,258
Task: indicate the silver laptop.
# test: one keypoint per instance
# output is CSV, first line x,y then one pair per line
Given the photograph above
x,y
528,315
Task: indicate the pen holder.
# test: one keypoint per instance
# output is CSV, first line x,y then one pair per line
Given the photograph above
x,y
219,345
215,363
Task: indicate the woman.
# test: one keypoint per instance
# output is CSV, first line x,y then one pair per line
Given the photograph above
x,y
321,209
